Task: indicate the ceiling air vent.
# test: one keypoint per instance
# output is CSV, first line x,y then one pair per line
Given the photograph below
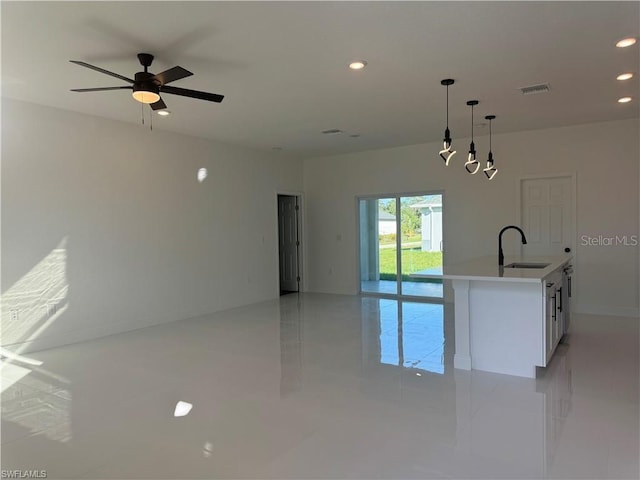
x,y
533,89
333,131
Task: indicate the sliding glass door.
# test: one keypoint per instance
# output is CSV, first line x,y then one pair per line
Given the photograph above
x,y
401,245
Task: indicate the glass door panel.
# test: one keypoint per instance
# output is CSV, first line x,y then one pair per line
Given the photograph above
x,y
421,245
378,251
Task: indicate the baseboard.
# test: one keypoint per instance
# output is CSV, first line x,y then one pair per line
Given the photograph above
x,y
606,310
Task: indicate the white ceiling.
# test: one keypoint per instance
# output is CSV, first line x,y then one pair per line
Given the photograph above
x,y
282,66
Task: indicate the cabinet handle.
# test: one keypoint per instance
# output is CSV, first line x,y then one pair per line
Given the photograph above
x,y
555,306
560,293
569,285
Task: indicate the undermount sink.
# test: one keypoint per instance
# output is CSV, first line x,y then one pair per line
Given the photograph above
x,y
527,265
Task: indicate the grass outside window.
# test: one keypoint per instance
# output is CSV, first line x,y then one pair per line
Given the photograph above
x,y
415,257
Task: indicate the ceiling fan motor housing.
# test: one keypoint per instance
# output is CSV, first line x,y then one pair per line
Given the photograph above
x,y
143,79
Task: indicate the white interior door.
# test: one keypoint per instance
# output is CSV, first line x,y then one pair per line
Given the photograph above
x,y
288,243
547,211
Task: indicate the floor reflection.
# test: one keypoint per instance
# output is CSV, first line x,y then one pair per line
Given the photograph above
x,y
406,334
416,289
291,346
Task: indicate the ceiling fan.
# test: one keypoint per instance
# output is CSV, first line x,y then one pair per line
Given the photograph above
x,y
147,87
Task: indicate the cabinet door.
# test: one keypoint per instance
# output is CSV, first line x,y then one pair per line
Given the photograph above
x,y
550,321
553,320
559,316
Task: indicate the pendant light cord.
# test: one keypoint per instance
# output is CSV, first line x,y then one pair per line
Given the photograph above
x,y
471,123
489,134
447,107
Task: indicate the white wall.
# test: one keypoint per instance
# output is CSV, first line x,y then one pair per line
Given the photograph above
x,y
105,227
604,157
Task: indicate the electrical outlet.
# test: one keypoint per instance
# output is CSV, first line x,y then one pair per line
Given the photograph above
x,y
51,309
13,315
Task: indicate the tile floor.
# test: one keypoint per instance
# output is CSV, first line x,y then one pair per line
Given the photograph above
x,y
322,386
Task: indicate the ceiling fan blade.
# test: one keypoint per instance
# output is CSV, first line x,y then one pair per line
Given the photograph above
x,y
101,70
212,97
171,75
159,105
100,89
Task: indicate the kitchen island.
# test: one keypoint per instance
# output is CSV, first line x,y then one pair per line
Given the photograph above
x,y
507,320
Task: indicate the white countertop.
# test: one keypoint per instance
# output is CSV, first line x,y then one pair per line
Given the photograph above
x,y
486,268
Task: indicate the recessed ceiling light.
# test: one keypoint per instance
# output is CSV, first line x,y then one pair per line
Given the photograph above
x,y
182,409
626,42
164,113
624,76
624,100
357,65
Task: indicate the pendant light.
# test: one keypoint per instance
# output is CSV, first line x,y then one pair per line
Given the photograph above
x,y
472,165
490,171
446,153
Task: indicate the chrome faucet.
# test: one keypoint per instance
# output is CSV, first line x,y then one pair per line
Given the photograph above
x,y
500,253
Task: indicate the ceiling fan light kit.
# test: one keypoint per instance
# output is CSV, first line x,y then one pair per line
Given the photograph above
x,y
146,87
472,165
145,94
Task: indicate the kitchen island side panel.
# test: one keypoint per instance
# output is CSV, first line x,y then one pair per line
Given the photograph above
x,y
506,327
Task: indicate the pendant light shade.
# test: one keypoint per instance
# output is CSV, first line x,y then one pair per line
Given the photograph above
x,y
491,170
447,152
472,165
